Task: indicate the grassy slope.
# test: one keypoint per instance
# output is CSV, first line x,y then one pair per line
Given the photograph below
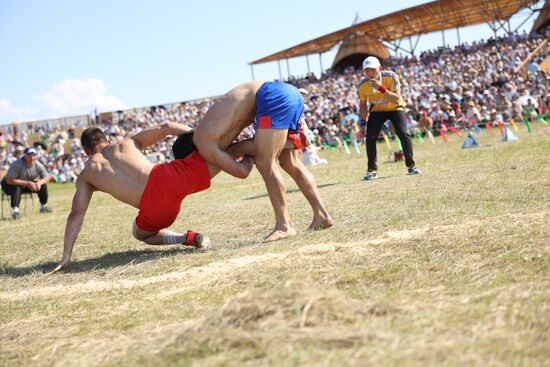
x,y
451,268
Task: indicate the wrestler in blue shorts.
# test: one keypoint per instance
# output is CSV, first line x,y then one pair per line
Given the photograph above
x,y
280,106
275,108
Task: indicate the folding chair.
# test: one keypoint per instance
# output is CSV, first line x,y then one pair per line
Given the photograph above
x,y
24,196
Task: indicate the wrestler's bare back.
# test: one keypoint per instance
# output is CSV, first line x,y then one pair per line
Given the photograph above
x,y
230,114
120,170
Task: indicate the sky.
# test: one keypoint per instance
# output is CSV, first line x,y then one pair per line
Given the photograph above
x,y
65,57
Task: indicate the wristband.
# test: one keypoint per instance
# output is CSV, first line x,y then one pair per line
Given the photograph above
x,y
382,89
362,122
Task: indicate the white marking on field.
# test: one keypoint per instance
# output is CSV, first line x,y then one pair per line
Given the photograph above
x,y
327,248
193,276
190,277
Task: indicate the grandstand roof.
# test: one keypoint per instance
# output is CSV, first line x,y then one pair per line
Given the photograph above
x,y
543,19
425,18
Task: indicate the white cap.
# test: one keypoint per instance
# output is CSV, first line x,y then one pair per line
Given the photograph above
x,y
30,150
371,62
303,91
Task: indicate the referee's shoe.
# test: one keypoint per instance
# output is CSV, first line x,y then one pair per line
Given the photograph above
x,y
371,175
414,171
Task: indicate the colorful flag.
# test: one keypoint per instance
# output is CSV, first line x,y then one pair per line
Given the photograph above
x,y
399,143
528,125
455,130
419,136
470,142
509,135
501,128
431,136
386,140
442,132
514,125
346,148
356,145
541,119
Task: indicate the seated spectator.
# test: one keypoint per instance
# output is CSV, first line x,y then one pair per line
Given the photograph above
x,y
496,118
485,114
517,108
332,139
412,124
439,116
533,68
473,116
26,175
503,105
530,111
455,106
452,117
545,105
425,122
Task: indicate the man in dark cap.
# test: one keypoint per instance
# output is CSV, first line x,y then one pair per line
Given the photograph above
x,y
26,175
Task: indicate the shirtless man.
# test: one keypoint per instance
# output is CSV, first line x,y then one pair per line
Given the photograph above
x,y
426,124
120,169
275,108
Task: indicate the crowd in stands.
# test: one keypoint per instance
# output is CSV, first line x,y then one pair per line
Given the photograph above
x,y
447,87
451,87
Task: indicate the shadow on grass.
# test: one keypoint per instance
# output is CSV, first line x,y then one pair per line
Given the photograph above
x,y
376,179
107,261
287,191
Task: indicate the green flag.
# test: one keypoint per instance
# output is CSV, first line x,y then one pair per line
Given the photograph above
x,y
528,125
356,146
346,148
399,143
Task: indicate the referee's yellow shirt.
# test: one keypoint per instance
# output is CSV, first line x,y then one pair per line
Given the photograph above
x,y
379,101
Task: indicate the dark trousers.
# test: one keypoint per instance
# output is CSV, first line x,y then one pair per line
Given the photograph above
x,y
15,191
374,125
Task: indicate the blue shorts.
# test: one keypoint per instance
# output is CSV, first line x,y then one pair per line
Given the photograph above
x,y
278,106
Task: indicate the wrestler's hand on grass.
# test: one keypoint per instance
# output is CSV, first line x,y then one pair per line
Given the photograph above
x,y
62,264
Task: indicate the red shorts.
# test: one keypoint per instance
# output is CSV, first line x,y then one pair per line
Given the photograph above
x,y
167,186
298,139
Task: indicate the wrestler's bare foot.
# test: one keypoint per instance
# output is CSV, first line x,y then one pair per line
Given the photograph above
x,y
278,234
321,223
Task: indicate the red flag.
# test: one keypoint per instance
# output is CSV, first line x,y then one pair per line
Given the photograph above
x,y
442,132
431,136
454,130
501,128
488,127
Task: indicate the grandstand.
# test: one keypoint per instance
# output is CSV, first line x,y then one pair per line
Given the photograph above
x,y
467,83
379,36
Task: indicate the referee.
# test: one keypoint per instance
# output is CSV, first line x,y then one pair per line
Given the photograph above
x,y
380,89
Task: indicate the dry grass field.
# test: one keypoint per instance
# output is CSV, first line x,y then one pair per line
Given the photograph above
x,y
449,268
